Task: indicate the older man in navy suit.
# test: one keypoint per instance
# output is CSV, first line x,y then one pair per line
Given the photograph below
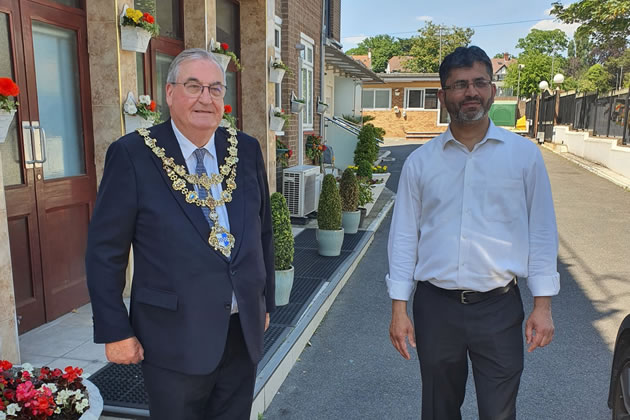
x,y
192,199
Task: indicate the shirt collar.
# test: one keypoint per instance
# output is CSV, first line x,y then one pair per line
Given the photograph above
x,y
188,148
493,133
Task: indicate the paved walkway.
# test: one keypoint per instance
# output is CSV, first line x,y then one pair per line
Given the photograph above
x,y
351,371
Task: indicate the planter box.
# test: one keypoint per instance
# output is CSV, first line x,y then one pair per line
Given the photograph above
x,y
276,123
6,118
276,75
297,107
223,59
321,108
134,39
133,122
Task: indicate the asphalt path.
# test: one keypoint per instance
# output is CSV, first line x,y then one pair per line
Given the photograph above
x,y
351,370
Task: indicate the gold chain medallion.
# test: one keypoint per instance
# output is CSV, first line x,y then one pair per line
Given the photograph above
x,y
220,239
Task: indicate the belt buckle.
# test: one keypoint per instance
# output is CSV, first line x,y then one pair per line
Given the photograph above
x,y
462,296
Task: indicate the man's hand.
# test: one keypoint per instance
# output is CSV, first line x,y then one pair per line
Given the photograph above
x,y
401,328
125,352
267,321
539,326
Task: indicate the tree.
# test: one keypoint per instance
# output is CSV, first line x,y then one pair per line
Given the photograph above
x,y
383,47
426,46
619,67
596,78
538,67
546,42
600,20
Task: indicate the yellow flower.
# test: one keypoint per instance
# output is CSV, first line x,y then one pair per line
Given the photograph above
x,y
134,14
385,167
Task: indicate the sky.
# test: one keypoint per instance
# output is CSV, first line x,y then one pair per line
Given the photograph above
x,y
497,24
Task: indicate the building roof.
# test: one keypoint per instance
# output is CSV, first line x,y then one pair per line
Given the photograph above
x,y
396,63
366,60
346,64
409,77
498,63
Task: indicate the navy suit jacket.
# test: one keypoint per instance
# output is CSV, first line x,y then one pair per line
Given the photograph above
x,y
182,288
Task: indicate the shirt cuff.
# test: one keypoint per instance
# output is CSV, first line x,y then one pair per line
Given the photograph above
x,y
544,285
399,289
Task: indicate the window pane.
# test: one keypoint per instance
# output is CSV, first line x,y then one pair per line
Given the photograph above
x,y
309,55
367,99
444,117
162,62
414,99
228,24
10,150
59,99
140,73
69,3
231,92
309,98
167,15
276,38
381,99
430,99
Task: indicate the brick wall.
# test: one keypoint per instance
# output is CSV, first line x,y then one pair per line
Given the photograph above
x,y
299,16
335,14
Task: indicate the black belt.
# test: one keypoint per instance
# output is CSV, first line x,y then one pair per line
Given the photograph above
x,y
467,297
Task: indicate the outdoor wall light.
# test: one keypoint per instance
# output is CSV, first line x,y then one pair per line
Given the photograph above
x,y
397,92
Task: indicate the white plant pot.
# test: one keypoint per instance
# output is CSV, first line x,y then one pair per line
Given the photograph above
x,y
276,123
284,284
133,122
276,75
223,59
350,221
329,242
133,38
6,118
297,107
321,108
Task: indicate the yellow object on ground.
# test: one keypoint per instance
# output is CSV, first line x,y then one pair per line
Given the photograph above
x,y
521,124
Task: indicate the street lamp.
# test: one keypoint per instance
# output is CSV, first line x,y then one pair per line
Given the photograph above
x,y
558,79
518,84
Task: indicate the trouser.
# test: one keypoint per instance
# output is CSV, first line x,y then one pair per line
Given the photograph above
x,y
224,394
449,332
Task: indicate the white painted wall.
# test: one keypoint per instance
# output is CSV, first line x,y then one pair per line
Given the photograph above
x,y
347,97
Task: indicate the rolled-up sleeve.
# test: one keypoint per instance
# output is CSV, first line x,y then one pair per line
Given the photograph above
x,y
543,278
404,234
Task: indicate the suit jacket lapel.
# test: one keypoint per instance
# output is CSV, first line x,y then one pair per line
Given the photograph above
x,y
236,207
165,137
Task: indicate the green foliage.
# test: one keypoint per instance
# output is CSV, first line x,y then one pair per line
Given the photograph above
x,y
364,169
367,146
329,208
600,20
537,67
615,65
282,234
426,46
545,42
365,192
596,78
383,47
349,191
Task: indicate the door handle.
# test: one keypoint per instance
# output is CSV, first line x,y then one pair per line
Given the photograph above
x,y
42,145
28,131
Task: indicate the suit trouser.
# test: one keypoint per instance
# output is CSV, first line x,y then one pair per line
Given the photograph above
x,y
449,332
224,394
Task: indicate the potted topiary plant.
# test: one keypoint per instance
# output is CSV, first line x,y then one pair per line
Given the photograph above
x,y
329,232
283,247
349,192
367,146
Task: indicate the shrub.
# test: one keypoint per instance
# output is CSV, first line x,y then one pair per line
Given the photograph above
x,y
282,234
349,191
365,193
329,208
364,169
367,147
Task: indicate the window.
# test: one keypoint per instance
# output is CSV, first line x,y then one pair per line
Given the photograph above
x,y
307,80
376,99
228,31
277,43
416,98
167,14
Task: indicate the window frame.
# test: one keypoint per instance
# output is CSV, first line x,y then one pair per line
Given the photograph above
x,y
424,99
307,70
373,107
278,55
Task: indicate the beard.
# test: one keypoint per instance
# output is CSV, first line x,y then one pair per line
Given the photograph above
x,y
461,116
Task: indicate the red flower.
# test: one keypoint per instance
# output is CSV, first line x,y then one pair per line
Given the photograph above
x,y
152,106
148,18
8,88
5,364
72,373
227,109
290,153
56,373
224,46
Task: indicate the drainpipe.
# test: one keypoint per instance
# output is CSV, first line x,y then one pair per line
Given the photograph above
x,y
321,68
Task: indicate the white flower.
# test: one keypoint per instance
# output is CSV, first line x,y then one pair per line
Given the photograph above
x,y
58,410
144,99
130,108
81,405
278,110
3,415
27,367
63,396
12,409
52,387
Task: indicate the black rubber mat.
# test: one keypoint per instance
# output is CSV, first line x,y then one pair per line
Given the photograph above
x,y
123,386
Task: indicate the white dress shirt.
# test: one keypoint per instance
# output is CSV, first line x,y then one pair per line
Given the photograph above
x,y
474,219
211,165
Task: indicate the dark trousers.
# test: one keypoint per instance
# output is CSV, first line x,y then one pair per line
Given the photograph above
x,y
449,332
225,394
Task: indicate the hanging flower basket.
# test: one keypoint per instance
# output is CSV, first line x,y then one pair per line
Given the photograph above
x,y
134,39
276,75
133,122
6,118
297,106
321,107
276,123
223,59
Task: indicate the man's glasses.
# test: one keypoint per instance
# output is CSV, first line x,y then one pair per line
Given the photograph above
x,y
194,89
462,85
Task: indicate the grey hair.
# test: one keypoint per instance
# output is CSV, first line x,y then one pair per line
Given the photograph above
x,y
191,54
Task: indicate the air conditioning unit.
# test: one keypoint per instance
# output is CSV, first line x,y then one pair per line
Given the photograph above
x,y
300,189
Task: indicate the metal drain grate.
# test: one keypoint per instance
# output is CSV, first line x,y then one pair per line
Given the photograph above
x,y
274,332
307,239
121,386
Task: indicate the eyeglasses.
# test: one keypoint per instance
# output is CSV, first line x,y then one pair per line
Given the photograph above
x,y
194,89
462,85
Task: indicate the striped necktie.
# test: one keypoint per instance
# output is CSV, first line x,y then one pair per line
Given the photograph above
x,y
201,191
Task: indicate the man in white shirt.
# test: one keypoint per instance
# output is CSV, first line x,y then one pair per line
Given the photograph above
x,y
473,212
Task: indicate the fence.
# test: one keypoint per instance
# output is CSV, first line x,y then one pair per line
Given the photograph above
x,y
605,115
